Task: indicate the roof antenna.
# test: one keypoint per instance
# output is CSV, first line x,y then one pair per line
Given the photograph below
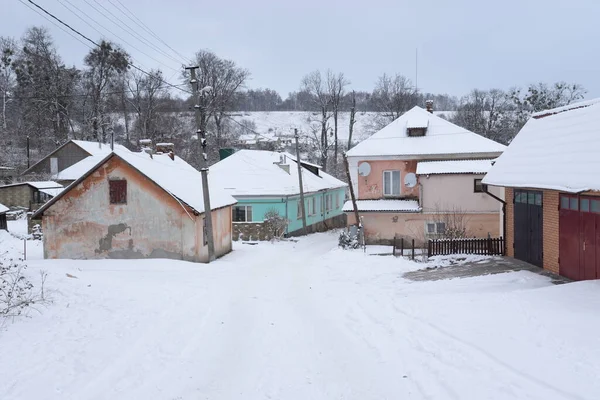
x,y
416,69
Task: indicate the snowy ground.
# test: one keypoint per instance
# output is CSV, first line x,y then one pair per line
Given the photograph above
x,y
298,321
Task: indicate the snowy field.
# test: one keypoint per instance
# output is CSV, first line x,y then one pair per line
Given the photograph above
x,y
297,321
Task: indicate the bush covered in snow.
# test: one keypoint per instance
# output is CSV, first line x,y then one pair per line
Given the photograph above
x,y
16,291
348,240
275,224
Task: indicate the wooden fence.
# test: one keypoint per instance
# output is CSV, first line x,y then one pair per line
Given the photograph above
x,y
489,246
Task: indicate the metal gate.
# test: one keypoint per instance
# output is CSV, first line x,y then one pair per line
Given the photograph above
x,y
579,238
528,219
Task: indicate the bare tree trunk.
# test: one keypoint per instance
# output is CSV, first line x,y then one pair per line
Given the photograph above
x,y
335,135
324,144
4,109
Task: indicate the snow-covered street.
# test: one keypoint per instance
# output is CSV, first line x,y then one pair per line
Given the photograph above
x,y
298,320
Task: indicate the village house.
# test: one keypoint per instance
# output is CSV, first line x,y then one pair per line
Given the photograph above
x,y
267,181
29,195
136,205
551,175
66,155
420,177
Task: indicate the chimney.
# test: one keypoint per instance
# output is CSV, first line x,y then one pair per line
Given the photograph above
x,y
146,146
429,105
282,163
165,148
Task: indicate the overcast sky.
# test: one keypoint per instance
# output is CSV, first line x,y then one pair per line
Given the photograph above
x,y
462,44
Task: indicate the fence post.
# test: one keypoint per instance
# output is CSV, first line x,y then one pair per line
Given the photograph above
x,y
394,247
429,248
402,246
413,249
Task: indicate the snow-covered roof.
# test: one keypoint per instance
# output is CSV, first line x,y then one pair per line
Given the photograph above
x,y
38,185
559,151
79,169
383,205
3,208
441,137
95,148
45,184
255,173
176,177
419,121
53,191
454,167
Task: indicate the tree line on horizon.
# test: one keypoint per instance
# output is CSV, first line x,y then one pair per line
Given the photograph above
x,y
49,102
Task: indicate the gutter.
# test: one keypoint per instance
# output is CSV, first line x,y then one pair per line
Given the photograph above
x,y
503,215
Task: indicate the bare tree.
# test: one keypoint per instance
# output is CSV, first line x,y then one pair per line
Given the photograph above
x,y
314,85
336,84
148,91
219,80
104,65
394,95
8,49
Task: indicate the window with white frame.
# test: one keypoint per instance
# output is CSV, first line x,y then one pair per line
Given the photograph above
x,y
242,214
299,211
337,200
312,206
434,228
391,183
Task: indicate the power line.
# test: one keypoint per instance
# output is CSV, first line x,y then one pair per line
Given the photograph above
x,y
123,40
71,95
129,30
145,27
55,24
97,45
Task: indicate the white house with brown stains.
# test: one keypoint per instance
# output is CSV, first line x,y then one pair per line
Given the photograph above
x,y
135,205
420,177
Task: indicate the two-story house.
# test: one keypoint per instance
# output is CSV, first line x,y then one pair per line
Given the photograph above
x,y
420,177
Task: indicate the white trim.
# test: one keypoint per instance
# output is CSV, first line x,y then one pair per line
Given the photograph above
x,y
391,171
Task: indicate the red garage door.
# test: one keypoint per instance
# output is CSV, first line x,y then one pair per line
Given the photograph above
x,y
579,237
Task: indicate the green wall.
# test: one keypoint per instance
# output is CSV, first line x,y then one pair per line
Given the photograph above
x,y
261,205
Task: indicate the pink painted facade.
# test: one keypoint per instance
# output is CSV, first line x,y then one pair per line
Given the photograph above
x,y
371,187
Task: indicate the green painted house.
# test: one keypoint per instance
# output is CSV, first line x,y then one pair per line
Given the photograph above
x,y
264,181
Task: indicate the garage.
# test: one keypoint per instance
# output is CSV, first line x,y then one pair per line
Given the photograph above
x,y
579,230
528,226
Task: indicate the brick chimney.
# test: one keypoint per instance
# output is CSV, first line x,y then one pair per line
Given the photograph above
x,y
282,163
429,106
165,148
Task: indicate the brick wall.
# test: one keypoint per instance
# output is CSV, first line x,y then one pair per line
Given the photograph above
x,y
510,219
16,196
551,230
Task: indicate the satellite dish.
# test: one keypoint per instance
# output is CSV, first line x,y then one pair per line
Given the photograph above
x,y
410,180
364,169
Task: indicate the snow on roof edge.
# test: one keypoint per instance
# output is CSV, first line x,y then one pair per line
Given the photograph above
x,y
537,186
568,107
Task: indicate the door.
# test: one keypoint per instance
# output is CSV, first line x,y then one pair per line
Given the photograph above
x,y
528,226
53,165
579,245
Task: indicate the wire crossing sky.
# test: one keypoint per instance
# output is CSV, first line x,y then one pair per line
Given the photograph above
x,y
462,45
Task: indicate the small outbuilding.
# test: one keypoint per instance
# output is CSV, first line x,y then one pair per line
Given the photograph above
x,y
136,205
3,223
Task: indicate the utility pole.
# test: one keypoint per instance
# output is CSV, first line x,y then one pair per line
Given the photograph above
x,y
28,152
300,183
358,221
201,135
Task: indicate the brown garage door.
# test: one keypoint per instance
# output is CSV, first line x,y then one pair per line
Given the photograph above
x,y
579,227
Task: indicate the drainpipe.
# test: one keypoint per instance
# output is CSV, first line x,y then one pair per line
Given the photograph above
x,y
503,215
